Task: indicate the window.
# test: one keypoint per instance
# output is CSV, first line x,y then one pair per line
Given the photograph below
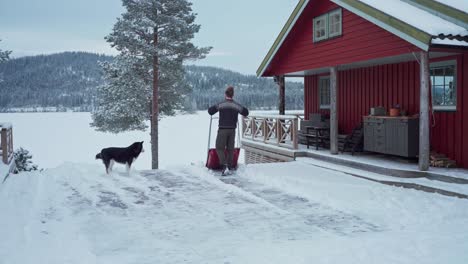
x,y
327,26
320,28
444,87
324,92
334,22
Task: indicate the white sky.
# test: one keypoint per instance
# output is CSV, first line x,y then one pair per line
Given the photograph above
x,y
240,32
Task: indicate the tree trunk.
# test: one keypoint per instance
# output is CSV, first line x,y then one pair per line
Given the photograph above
x,y
155,109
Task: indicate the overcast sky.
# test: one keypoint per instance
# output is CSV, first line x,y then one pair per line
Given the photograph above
x,y
240,31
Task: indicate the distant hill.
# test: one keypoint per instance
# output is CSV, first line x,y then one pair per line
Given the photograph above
x,y
68,80
208,84
65,80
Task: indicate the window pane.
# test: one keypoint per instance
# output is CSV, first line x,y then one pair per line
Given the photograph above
x,y
438,95
324,89
336,19
443,79
335,24
320,29
448,81
333,29
450,93
438,80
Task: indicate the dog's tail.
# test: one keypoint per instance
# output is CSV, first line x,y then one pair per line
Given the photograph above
x,y
98,156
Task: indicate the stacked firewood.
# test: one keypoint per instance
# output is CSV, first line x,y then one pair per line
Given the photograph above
x,y
442,161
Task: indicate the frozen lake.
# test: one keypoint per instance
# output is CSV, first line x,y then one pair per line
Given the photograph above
x,y
54,138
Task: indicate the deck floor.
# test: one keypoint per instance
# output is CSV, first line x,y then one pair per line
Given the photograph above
x,y
386,161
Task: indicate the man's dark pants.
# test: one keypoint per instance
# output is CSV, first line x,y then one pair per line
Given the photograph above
x,y
225,140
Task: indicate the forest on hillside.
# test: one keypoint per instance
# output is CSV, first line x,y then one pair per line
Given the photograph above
x,y
68,81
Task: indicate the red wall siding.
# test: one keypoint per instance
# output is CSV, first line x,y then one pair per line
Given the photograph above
x,y
361,40
387,85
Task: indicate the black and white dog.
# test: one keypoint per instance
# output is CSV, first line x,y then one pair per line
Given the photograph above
x,y
120,155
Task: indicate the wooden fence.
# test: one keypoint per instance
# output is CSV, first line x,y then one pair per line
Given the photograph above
x,y
279,130
6,143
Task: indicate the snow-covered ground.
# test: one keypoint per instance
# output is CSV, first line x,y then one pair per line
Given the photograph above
x,y
4,169
271,213
276,213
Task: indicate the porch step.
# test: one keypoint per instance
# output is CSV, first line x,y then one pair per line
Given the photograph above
x,y
399,173
408,183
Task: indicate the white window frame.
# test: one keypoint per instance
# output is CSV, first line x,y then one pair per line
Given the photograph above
x,y
323,106
330,34
325,20
438,65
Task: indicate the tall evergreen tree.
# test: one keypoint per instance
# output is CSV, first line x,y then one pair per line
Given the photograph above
x,y
4,55
123,97
154,39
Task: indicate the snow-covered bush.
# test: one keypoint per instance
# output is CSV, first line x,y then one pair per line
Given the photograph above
x,y
23,161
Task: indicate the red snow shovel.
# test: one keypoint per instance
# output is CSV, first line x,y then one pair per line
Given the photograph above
x,y
212,161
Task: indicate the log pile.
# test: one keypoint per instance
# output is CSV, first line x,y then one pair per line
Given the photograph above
x,y
442,161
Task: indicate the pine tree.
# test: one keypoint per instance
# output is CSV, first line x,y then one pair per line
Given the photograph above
x,y
122,99
4,55
23,160
154,39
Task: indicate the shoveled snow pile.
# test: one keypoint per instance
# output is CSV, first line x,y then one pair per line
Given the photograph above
x,y
275,213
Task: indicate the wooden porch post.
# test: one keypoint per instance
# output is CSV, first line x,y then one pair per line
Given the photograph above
x,y
424,144
4,145
333,111
282,87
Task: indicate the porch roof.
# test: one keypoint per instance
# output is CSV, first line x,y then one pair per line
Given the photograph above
x,y
420,22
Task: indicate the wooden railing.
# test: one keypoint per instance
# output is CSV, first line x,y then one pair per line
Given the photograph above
x,y
280,130
6,142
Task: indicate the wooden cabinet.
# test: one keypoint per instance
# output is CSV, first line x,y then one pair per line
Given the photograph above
x,y
397,136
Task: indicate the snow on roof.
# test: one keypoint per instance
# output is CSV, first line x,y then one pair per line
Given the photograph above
x,y
461,5
417,17
451,42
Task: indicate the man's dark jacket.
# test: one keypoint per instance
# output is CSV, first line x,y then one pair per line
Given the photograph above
x,y
228,112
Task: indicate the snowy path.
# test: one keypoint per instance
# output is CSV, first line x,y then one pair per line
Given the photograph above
x,y
281,213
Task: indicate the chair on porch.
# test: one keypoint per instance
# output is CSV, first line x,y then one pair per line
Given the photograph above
x,y
352,142
315,131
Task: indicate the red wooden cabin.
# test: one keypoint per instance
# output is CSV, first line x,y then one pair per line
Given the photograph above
x,y
377,52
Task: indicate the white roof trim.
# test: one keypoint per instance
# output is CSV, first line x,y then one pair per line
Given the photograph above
x,y
284,37
379,23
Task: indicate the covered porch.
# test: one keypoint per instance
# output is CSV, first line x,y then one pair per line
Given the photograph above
x,y
275,138
352,87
